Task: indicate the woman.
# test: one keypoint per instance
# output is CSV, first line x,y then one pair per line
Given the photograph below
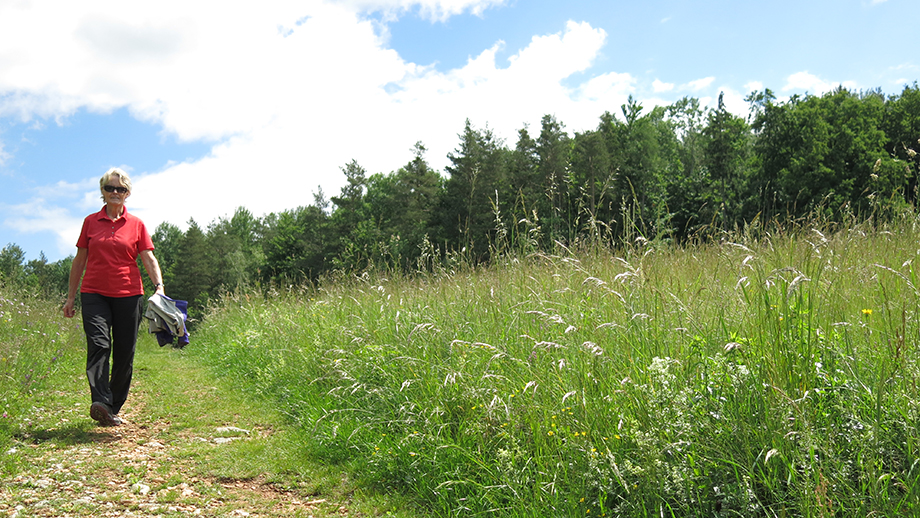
x,y
111,294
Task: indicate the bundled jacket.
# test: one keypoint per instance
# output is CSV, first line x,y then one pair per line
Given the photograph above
x,y
167,319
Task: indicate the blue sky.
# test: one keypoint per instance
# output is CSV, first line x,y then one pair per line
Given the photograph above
x,y
211,108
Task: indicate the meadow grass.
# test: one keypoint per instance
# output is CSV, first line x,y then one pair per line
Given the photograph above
x,y
773,373
176,411
38,351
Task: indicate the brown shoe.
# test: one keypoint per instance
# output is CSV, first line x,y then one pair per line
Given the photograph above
x,y
100,413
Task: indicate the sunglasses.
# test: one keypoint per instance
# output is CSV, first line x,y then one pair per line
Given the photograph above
x,y
112,188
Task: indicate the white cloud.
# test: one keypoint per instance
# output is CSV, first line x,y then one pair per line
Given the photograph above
x,y
659,86
54,220
4,156
754,86
734,101
434,10
610,88
292,91
804,81
700,84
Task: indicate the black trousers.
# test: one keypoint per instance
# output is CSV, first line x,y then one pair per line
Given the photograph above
x,y
111,325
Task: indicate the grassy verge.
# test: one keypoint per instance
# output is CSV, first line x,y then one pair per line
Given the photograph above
x,y
193,444
771,374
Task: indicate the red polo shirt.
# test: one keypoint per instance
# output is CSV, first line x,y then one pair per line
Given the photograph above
x,y
112,250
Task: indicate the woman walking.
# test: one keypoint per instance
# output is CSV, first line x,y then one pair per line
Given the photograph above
x,y
111,294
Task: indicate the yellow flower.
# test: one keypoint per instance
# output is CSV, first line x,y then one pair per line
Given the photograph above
x,y
550,433
867,312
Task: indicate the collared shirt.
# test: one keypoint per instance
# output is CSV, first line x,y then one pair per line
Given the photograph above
x,y
112,250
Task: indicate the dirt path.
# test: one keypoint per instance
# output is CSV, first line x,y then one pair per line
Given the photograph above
x,y
145,467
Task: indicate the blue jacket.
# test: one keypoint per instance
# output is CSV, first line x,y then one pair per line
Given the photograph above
x,y
167,319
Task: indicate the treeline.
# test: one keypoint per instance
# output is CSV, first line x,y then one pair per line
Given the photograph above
x,y
670,173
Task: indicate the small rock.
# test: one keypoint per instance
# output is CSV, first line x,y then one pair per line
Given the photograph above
x,y
232,429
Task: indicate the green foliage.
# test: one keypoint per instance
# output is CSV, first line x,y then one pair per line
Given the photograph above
x,y
296,245
818,154
193,271
554,153
166,239
728,161
770,375
234,245
640,153
37,348
37,276
11,270
682,172
476,173
403,206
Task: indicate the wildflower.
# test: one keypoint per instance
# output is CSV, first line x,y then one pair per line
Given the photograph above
x,y
551,433
867,312
732,346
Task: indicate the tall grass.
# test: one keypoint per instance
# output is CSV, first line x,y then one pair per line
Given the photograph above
x,y
37,348
773,373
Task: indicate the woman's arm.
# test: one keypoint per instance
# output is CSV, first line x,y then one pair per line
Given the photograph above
x,y
153,270
76,273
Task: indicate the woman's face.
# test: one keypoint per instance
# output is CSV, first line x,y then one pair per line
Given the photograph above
x,y
115,192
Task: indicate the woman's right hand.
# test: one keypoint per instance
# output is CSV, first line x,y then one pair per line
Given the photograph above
x,y
68,309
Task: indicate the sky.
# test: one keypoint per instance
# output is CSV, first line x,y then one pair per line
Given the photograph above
x,y
211,107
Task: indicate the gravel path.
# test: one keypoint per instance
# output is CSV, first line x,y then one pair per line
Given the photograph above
x,y
137,469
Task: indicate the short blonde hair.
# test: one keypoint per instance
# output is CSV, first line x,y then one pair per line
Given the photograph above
x,y
118,173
